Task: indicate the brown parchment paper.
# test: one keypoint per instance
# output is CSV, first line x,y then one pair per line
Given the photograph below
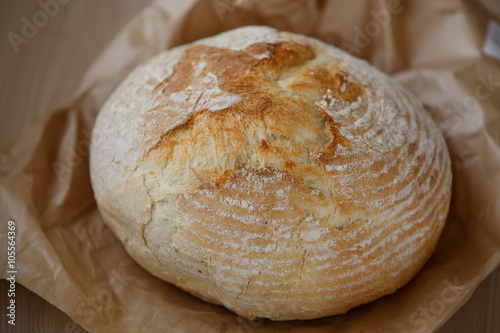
x,y
68,256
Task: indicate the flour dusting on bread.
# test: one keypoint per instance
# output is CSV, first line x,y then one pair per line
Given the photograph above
x,y
271,173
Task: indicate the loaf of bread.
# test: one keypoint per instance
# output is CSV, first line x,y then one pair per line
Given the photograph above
x,y
271,173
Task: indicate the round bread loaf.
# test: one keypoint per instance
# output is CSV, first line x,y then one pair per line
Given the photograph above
x,y
271,173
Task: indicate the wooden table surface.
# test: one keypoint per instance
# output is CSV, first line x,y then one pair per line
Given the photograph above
x,y
48,68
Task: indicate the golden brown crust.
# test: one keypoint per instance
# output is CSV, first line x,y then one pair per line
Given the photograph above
x,y
272,174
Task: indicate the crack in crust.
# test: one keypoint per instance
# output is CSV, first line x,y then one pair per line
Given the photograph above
x,y
274,123
281,178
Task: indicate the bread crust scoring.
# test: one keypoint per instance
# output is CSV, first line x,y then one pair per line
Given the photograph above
x,y
271,173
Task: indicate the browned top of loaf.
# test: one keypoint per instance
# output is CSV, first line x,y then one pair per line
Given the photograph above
x,y
278,176
266,99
